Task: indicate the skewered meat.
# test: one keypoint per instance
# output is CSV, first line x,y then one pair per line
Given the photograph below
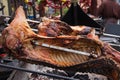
x,y
19,40
80,31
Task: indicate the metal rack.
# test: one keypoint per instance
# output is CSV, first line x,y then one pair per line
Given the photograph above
x,y
34,72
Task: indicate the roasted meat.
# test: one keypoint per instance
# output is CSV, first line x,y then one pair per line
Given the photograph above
x,y
19,40
53,28
24,44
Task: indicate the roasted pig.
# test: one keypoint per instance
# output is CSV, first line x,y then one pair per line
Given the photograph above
x,y
19,40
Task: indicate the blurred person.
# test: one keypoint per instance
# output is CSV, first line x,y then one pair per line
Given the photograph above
x,y
41,7
109,11
93,7
99,2
90,6
85,4
50,12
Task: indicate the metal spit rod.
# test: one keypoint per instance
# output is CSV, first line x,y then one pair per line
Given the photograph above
x,y
29,20
36,72
66,49
33,21
111,35
108,35
114,45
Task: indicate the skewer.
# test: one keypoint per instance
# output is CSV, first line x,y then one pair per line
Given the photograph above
x,y
29,20
108,35
73,51
114,45
65,49
33,21
35,30
111,35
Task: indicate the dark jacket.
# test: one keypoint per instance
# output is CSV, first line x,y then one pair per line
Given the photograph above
x,y
93,8
109,11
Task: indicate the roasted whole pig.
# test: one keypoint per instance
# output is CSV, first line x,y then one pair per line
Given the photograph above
x,y
19,40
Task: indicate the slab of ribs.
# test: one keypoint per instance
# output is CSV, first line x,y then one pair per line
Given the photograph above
x,y
19,40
